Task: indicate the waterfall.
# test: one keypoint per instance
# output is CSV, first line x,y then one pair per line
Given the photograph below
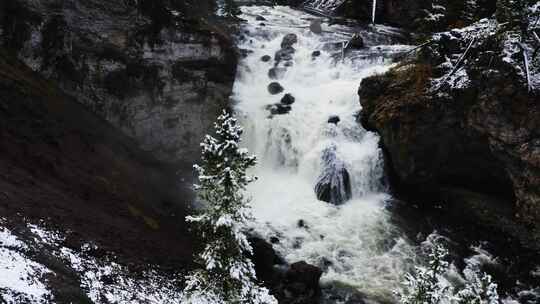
x,y
316,143
374,11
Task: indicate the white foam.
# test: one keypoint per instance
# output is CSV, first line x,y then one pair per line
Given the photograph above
x,y
355,241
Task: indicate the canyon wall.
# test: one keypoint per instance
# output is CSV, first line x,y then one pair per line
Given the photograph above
x,y
160,71
465,133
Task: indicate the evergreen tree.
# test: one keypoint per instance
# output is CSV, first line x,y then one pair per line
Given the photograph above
x,y
428,286
424,286
479,289
228,276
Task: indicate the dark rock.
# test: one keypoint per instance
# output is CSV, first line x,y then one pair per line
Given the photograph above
x,y
276,72
260,18
316,54
482,142
275,88
274,240
284,54
287,99
288,64
288,41
245,52
356,42
334,119
302,281
294,284
315,26
266,58
278,109
264,259
59,162
333,185
301,224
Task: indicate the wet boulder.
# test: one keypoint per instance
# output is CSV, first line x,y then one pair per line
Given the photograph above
x,y
315,26
356,42
287,99
264,259
245,52
333,185
334,119
266,58
279,109
288,41
276,72
275,88
302,283
294,284
284,54
260,18
316,54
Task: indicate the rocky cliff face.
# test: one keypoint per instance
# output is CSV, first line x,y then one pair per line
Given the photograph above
x,y
103,201
456,131
158,70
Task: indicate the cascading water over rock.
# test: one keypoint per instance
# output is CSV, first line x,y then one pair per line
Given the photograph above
x,y
306,135
334,183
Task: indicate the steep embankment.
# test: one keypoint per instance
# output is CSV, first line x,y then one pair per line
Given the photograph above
x,y
466,132
64,167
102,108
158,70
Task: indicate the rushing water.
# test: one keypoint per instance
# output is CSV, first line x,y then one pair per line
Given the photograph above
x,y
354,243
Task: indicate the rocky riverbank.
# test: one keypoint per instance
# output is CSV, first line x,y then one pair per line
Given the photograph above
x,y
464,132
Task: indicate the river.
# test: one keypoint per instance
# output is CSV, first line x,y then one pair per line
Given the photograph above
x,y
316,134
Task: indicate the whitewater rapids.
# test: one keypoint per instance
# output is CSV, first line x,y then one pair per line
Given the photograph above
x,y
355,243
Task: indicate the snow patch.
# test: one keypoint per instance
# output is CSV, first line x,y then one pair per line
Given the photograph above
x,y
20,277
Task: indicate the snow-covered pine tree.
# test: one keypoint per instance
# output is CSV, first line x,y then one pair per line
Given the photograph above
x,y
228,276
479,288
425,286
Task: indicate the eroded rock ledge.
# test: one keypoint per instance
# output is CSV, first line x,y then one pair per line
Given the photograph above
x,y
475,145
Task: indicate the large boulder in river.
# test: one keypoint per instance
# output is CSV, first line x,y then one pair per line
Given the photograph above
x,y
315,26
287,99
302,283
279,109
333,185
275,88
290,284
265,259
276,72
288,41
356,42
284,54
